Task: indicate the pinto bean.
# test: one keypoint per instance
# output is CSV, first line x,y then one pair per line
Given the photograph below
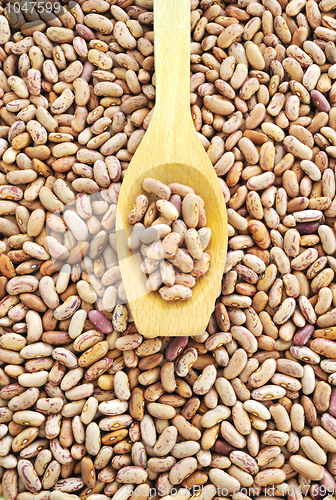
x,y
77,379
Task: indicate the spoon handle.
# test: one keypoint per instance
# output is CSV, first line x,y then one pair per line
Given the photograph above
x,y
172,69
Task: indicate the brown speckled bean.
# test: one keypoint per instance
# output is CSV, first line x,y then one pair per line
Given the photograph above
x,y
77,95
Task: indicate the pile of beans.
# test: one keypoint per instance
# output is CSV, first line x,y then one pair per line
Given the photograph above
x,y
165,233
89,408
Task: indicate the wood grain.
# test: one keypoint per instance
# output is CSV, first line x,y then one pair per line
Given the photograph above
x,y
172,152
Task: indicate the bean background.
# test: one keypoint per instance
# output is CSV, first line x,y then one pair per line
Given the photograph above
x,y
89,408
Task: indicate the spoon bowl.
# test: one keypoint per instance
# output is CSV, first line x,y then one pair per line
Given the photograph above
x,y
172,152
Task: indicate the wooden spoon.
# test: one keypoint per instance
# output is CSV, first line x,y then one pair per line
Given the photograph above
x,y
172,152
